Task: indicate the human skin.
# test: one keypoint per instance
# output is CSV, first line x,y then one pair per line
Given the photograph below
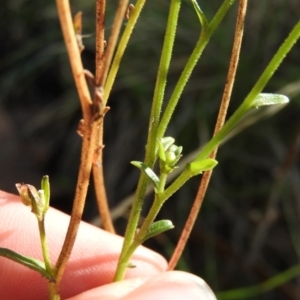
x,y
91,267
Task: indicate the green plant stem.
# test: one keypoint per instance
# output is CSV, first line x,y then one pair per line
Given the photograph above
x,y
166,54
177,184
219,16
113,38
184,77
162,183
235,53
158,132
121,49
52,286
138,239
152,136
257,88
189,67
255,290
44,244
53,292
159,200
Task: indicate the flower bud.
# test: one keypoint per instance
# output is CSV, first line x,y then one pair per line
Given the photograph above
x,y
25,191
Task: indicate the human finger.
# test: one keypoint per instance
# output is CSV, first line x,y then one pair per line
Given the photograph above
x,y
175,285
92,263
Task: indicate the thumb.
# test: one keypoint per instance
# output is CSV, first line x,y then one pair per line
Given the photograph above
x,y
175,285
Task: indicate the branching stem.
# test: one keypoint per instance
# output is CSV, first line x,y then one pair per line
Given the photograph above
x,y
66,22
98,176
219,124
89,138
121,48
152,138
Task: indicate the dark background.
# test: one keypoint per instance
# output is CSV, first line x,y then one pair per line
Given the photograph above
x,y
248,228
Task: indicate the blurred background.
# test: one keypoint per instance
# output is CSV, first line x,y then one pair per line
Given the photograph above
x,y
248,229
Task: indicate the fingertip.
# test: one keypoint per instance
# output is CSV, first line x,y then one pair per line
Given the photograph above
x,y
175,285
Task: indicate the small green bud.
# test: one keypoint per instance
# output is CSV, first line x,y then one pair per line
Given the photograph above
x,y
173,154
168,154
170,157
176,149
162,146
45,192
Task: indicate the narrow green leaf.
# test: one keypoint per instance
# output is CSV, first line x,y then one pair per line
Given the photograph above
x,y
158,227
45,185
198,167
30,262
201,15
269,99
148,172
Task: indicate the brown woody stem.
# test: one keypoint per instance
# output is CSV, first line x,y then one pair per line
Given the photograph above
x,y
100,27
89,134
98,177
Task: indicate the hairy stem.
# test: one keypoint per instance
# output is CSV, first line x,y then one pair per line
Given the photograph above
x,y
219,124
121,48
190,65
64,13
44,244
53,288
87,156
88,146
100,18
257,88
113,38
98,177
152,137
